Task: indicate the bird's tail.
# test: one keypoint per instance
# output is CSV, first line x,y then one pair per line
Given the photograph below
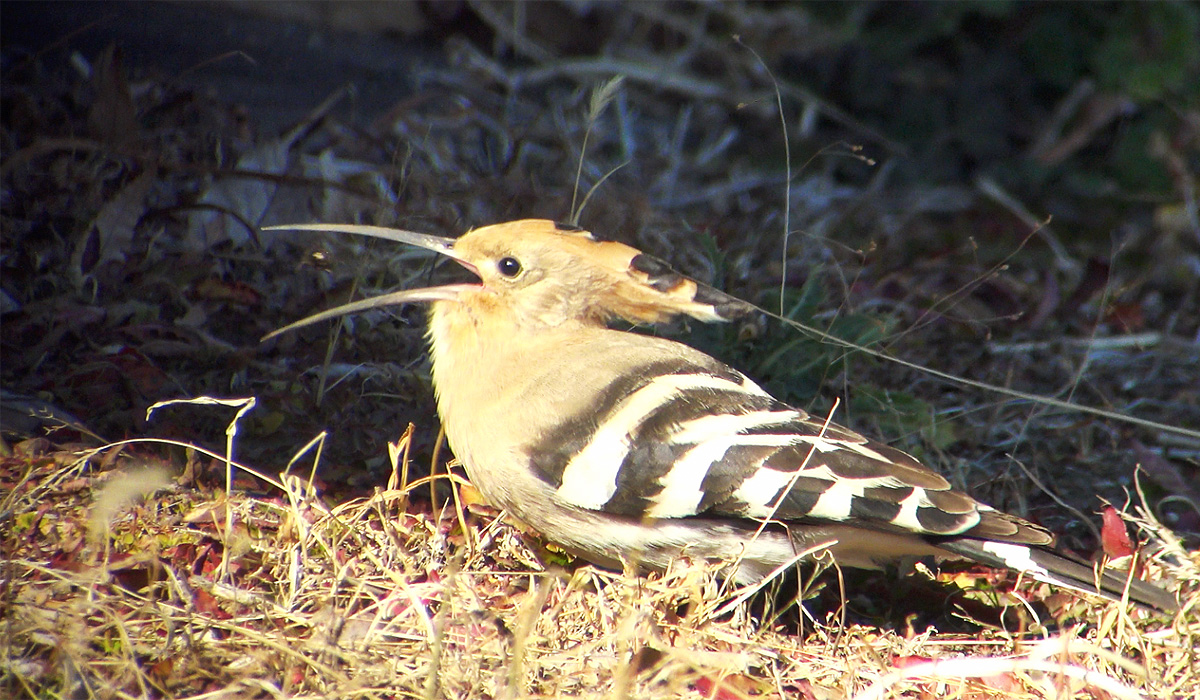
x,y
1049,566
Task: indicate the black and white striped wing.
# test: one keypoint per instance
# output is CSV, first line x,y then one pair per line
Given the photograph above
x,y
678,439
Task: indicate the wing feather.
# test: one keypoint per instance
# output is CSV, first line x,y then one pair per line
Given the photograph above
x,y
694,439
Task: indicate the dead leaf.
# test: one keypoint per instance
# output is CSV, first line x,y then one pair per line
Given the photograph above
x,y
214,289
1165,473
114,226
233,206
1095,278
734,686
1127,317
1097,113
234,203
113,115
1004,682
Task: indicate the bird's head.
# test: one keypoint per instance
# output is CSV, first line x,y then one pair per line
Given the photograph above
x,y
539,273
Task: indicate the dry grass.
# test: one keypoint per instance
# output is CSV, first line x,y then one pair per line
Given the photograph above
x,y
115,587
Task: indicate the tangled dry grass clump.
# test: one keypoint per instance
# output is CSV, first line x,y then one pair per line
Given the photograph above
x,y
123,580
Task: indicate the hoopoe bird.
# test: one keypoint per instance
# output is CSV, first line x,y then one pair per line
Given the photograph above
x,y
628,448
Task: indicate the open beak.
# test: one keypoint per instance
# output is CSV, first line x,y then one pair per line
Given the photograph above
x,y
437,244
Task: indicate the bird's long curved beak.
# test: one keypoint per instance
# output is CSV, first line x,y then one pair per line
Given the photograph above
x,y
438,244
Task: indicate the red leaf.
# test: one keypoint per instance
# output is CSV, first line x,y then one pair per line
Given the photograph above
x,y
733,687
296,677
207,604
1127,318
1004,682
1114,535
215,289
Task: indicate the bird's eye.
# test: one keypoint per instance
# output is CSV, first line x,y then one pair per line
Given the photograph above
x,y
509,266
